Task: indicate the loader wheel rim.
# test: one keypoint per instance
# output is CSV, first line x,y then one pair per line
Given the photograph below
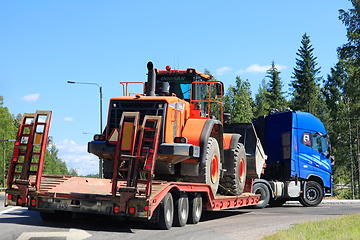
x,y
241,169
214,169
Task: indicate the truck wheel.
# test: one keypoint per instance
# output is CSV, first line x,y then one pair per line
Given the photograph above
x,y
313,194
166,212
234,181
195,209
181,212
262,189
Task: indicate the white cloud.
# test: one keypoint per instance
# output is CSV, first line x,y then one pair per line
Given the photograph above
x,y
223,70
76,156
31,97
256,68
69,119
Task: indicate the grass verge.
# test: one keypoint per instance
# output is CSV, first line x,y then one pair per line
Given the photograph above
x,y
344,227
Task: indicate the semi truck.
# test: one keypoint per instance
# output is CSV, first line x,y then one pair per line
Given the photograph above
x,y
166,157
299,161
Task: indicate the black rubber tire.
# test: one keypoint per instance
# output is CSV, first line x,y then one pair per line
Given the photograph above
x,y
277,202
205,168
234,180
263,190
195,209
108,168
181,211
313,194
166,212
57,216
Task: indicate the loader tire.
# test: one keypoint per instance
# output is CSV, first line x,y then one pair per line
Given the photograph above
x,y
234,182
209,169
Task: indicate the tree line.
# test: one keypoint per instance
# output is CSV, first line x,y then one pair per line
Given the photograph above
x,y
333,99
9,125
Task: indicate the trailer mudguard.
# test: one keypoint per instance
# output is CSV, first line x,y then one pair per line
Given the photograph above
x,y
267,184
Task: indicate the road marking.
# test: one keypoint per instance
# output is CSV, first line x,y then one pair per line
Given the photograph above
x,y
9,210
73,234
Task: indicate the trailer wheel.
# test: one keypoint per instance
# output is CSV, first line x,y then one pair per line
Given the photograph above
x,y
262,189
195,209
234,180
181,212
166,212
313,194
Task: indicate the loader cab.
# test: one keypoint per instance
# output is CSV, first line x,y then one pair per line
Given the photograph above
x,y
196,88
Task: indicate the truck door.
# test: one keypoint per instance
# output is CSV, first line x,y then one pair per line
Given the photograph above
x,y
306,165
322,165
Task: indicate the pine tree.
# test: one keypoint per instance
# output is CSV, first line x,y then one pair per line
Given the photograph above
x,y
262,100
277,100
238,101
305,85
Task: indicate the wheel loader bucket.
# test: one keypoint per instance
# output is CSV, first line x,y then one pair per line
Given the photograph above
x,y
255,154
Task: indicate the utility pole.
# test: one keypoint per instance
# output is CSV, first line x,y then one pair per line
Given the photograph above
x,y
358,157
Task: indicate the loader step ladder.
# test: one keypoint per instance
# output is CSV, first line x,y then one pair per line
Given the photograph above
x,y
145,145
146,151
29,151
124,155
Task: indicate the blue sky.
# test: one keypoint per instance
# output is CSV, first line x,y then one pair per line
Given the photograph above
x,y
44,44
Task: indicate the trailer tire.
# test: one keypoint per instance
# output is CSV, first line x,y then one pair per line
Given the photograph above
x,y
181,212
195,209
313,194
166,212
263,190
235,181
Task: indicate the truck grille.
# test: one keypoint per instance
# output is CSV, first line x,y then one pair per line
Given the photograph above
x,y
154,108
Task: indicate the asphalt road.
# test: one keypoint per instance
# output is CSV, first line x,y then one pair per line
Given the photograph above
x,y
241,223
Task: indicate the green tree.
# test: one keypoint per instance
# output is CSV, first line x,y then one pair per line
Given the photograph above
x,y
277,100
262,100
305,85
238,101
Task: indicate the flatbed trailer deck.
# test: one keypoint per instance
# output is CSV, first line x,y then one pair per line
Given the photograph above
x,y
93,195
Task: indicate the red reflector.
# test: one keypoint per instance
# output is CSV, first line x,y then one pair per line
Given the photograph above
x,y
15,159
33,202
41,204
20,201
10,197
17,143
132,210
146,208
151,150
116,209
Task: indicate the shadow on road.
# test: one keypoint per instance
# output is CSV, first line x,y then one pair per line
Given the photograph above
x,y
99,223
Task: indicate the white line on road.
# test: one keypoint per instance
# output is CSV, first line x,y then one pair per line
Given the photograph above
x,y
9,210
73,234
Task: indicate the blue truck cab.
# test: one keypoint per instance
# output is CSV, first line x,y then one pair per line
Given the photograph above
x,y
298,165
